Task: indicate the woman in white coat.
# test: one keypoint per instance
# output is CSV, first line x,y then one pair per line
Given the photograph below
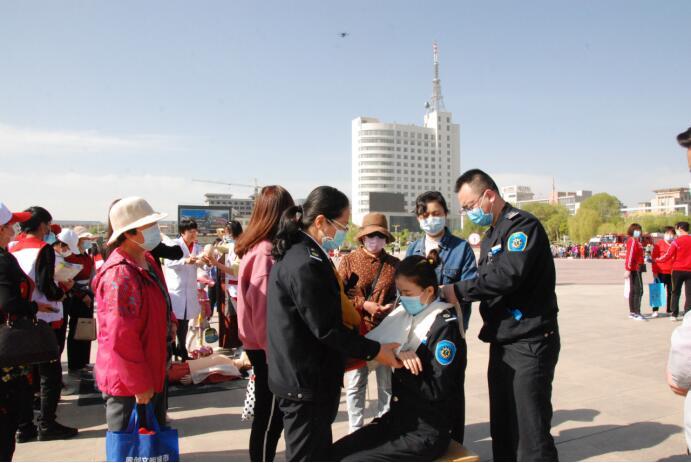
x,y
181,278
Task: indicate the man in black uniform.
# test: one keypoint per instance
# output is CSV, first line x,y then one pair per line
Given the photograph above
x,y
516,280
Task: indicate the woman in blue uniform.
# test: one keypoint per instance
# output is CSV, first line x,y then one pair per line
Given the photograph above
x,y
428,390
310,327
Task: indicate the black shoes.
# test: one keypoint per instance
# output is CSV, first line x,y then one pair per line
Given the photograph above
x,y
56,431
26,435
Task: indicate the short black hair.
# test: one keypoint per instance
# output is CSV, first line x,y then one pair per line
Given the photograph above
x,y
478,179
235,228
634,226
187,224
428,197
684,139
683,226
38,216
669,229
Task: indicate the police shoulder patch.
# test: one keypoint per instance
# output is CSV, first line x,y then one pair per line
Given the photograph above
x,y
314,254
517,242
445,352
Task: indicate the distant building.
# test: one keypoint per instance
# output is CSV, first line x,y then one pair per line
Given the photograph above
x,y
571,200
666,201
516,194
242,208
406,159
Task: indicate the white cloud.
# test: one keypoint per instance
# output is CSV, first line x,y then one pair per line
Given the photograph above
x,y
21,140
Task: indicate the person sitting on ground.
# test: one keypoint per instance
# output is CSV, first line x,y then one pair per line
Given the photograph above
x,y
428,390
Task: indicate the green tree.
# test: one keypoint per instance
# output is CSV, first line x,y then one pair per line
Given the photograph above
x,y
555,218
584,225
606,206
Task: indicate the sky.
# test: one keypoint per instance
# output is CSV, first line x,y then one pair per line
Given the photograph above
x,y
102,99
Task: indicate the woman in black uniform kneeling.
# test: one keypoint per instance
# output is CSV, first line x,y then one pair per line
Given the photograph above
x,y
427,391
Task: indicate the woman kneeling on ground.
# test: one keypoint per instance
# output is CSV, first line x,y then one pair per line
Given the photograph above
x,y
428,390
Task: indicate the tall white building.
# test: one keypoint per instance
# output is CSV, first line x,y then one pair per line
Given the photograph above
x,y
406,159
241,207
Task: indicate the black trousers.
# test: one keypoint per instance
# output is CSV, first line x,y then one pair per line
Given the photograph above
x,y
11,396
119,409
181,344
680,278
308,428
520,378
268,418
386,439
666,279
635,292
78,352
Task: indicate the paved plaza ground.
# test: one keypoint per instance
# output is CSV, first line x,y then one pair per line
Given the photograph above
x,y
611,400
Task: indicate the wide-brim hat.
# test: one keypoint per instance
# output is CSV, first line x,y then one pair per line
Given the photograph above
x,y
129,213
375,222
70,238
82,232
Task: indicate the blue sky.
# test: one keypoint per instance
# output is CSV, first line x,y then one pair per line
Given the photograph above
x,y
105,99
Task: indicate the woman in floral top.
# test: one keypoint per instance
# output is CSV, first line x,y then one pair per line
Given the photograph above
x,y
373,297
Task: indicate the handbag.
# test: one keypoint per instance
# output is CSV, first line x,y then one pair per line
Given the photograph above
x,y
658,295
248,409
156,444
86,330
27,341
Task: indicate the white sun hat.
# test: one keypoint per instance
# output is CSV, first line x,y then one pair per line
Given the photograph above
x,y
70,238
82,232
129,213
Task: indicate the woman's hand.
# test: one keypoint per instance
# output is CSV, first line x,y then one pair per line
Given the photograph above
x,y
449,294
411,361
145,397
87,300
69,284
387,355
371,308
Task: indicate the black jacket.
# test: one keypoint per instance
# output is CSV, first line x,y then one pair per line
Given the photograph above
x,y
432,399
15,289
516,280
307,341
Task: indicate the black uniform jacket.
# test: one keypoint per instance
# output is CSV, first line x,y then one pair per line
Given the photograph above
x,y
15,289
516,280
432,399
307,341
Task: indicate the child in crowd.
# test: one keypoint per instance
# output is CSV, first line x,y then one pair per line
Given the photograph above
x,y
428,391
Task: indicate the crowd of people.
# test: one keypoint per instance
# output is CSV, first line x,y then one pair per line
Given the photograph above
x,y
306,326
602,250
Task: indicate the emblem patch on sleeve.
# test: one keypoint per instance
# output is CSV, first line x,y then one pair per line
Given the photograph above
x,y
518,242
445,352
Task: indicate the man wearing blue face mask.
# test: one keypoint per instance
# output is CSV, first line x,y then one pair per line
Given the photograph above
x,y
457,260
516,286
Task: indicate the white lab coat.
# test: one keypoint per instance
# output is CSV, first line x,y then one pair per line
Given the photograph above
x,y
181,279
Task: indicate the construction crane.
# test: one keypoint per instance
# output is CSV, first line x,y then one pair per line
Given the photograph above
x,y
256,185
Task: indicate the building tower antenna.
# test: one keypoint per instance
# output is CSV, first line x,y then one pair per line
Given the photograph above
x,y
437,101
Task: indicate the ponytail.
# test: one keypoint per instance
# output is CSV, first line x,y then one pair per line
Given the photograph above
x,y
323,200
288,233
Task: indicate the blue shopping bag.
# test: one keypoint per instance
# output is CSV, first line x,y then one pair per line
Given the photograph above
x,y
129,445
658,295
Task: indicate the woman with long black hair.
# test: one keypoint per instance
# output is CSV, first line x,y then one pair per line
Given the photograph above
x,y
312,327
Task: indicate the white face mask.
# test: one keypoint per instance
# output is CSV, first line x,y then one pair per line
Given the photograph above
x,y
63,254
669,238
152,238
374,244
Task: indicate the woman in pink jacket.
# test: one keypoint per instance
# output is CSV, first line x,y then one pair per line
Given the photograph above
x,y
133,315
254,248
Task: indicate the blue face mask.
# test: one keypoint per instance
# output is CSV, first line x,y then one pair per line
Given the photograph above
x,y
85,246
331,244
50,238
480,217
412,304
433,225
636,233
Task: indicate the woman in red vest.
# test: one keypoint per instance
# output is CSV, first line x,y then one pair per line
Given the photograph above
x,y
662,271
633,263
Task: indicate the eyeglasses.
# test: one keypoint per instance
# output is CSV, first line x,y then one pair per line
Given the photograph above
x,y
339,225
464,210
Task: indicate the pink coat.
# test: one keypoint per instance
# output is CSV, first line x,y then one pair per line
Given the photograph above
x,y
253,279
132,327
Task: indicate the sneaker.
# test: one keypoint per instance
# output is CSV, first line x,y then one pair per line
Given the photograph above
x,y
631,315
680,318
56,432
672,317
654,315
638,317
26,435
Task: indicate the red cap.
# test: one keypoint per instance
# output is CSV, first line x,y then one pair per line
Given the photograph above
x,y
7,217
55,228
